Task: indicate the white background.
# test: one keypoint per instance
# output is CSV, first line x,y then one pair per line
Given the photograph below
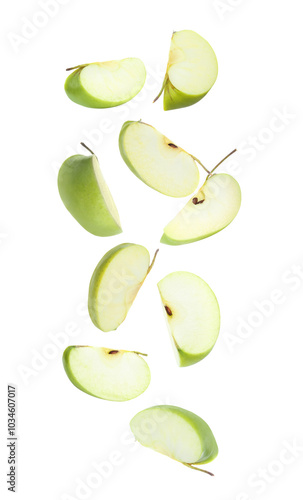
x,y
249,390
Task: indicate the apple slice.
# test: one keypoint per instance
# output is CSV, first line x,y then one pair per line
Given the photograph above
x,y
210,210
105,84
193,315
115,283
157,161
106,373
86,196
177,433
192,70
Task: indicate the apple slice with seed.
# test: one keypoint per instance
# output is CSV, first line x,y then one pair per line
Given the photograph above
x,y
193,315
157,161
115,375
115,283
210,210
177,433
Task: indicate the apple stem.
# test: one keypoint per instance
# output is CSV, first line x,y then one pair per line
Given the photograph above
x,y
227,156
162,88
197,468
84,145
198,161
152,262
140,353
76,67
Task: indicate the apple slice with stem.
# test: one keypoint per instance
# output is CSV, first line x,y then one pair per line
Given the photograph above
x,y
105,84
193,315
115,375
115,283
86,196
191,72
177,433
157,161
210,210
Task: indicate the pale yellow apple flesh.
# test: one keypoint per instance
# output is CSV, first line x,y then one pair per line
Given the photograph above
x,y
192,70
158,161
115,283
209,211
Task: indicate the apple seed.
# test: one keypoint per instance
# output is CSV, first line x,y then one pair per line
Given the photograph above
x,y
196,202
168,310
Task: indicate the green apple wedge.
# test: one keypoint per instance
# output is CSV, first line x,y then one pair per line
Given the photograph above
x,y
115,375
86,196
105,84
177,433
191,72
193,316
157,161
210,210
115,283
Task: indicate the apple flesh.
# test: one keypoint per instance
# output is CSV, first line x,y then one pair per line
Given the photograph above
x,y
115,283
193,316
86,196
177,433
210,210
105,84
106,373
157,161
191,72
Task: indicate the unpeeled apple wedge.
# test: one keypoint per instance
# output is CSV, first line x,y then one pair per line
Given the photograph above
x,y
86,196
157,161
193,315
105,84
177,433
192,70
114,375
210,210
115,283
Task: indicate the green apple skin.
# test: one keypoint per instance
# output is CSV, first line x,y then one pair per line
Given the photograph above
x,y
175,99
168,241
78,94
208,441
165,239
121,148
80,193
75,381
190,359
66,365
